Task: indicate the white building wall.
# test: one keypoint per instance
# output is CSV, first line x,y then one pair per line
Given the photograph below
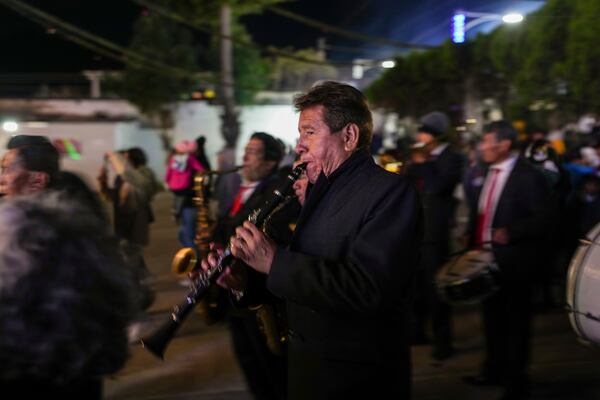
x,y
131,134
192,119
195,119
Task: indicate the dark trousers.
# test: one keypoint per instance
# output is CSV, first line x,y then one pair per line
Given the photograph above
x,y
507,325
428,303
265,373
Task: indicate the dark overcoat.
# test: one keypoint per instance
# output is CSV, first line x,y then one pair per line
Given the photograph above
x,y
346,280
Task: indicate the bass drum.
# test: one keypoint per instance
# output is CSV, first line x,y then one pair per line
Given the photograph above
x,y
583,288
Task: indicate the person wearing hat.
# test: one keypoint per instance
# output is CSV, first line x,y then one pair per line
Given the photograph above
x,y
30,165
436,169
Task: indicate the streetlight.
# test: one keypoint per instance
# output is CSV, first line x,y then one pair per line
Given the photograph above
x,y
361,65
460,26
10,126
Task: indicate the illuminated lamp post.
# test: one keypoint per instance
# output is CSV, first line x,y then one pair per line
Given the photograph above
x,y
461,23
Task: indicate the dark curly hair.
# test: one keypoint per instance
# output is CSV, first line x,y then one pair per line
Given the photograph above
x,y
65,296
343,104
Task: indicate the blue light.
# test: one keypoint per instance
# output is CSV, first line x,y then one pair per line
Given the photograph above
x,y
458,28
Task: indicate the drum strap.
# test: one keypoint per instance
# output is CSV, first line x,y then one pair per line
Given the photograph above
x,y
588,314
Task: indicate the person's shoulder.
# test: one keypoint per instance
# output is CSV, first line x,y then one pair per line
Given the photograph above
x,y
529,172
381,178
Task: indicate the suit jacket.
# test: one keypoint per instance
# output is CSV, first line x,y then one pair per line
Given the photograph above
x,y
438,178
346,281
278,229
523,209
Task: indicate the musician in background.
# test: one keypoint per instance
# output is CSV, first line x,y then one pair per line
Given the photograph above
x,y
265,372
65,300
30,165
347,276
507,215
436,169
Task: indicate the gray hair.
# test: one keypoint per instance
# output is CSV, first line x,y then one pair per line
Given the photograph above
x,y
65,297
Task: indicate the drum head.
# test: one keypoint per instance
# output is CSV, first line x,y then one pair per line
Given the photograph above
x,y
583,288
468,278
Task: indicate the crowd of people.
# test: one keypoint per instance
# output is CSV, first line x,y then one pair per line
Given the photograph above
x,y
324,300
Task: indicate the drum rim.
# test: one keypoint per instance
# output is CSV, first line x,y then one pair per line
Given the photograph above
x,y
574,278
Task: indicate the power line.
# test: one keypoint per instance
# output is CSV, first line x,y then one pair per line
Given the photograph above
x,y
100,45
206,29
342,32
86,39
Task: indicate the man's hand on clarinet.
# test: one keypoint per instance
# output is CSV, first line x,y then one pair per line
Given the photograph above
x,y
231,278
252,247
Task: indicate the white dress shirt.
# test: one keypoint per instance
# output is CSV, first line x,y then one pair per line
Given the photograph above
x,y
439,149
505,168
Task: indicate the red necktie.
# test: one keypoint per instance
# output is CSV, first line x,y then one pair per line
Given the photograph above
x,y
237,202
483,219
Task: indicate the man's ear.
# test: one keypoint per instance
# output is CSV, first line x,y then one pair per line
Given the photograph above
x,y
506,145
350,136
272,164
37,181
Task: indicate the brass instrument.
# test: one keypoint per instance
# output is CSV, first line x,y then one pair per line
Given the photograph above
x,y
268,316
185,259
159,340
269,324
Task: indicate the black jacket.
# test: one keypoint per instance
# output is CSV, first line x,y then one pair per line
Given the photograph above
x,y
523,208
437,180
346,281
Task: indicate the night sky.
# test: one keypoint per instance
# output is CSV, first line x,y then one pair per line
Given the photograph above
x,y
27,47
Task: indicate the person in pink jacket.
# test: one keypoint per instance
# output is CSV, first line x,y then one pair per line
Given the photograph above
x,y
181,168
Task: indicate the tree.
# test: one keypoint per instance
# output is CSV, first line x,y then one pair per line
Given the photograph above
x,y
290,74
165,71
580,72
547,63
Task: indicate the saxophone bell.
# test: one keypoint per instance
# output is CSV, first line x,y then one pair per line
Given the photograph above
x,y
184,261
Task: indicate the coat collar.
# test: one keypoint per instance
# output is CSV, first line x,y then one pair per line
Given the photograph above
x,y
323,183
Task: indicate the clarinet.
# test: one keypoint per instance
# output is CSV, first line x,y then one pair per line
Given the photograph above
x,y
157,342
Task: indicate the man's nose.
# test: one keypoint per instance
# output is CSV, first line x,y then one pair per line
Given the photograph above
x,y
300,148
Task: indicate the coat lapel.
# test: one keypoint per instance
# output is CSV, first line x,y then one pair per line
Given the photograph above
x,y
508,189
316,193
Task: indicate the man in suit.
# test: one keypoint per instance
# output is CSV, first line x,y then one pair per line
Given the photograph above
x,y
436,169
347,276
265,371
507,215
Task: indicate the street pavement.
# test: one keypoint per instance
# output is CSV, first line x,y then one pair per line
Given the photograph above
x,y
199,363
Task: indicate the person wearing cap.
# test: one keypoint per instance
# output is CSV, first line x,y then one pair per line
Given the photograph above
x,y
436,169
30,165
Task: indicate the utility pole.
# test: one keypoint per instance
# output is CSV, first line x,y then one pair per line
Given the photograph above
x,y
230,126
321,45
